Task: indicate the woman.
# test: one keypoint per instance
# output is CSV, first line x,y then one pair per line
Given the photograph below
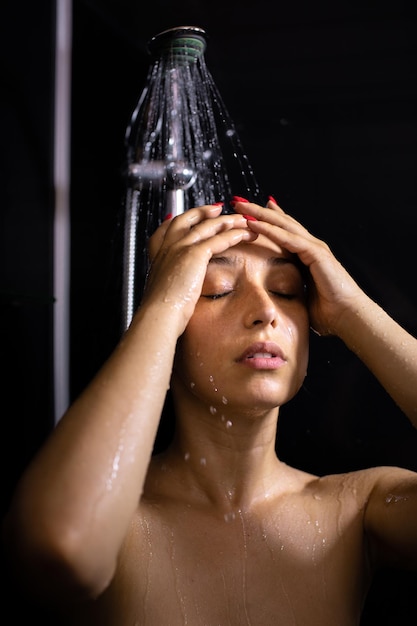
x,y
216,529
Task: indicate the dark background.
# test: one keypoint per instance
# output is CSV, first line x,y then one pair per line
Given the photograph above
x,y
323,95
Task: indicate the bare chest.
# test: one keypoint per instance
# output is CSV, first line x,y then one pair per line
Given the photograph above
x,y
191,568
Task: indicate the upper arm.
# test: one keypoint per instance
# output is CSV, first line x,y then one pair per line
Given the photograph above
x,y
391,518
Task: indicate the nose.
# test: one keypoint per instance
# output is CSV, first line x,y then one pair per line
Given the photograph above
x,y
260,309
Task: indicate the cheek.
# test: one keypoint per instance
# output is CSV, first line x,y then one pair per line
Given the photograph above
x,y
205,332
303,352
298,336
196,349
295,326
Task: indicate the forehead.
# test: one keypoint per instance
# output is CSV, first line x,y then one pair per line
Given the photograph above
x,y
262,250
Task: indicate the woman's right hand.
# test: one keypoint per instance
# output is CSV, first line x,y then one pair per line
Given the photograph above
x,y
180,250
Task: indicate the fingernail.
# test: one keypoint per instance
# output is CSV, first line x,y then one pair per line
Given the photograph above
x,y
167,216
237,199
250,218
218,203
272,199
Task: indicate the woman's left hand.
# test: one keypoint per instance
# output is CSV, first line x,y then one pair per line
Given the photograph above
x,y
331,289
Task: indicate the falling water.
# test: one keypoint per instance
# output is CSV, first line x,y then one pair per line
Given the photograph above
x,y
182,148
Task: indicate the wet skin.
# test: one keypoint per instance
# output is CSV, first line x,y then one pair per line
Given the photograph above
x,y
225,533
217,530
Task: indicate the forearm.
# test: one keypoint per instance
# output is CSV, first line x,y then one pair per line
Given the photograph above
x,y
387,349
85,484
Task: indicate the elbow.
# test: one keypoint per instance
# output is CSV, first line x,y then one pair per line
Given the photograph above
x,y
55,563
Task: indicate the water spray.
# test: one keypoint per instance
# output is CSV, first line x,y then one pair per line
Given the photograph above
x,y
177,144
176,48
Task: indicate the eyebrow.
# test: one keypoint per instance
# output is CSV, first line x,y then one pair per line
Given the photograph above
x,y
273,261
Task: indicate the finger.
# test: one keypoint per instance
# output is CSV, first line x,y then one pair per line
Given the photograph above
x,y
180,223
273,204
155,241
222,240
284,231
210,227
190,232
271,214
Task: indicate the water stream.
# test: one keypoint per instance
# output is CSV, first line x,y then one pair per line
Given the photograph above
x,y
182,150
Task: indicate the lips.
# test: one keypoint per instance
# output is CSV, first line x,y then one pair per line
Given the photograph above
x,y
262,355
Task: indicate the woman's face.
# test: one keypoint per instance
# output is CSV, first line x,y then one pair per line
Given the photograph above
x,y
247,341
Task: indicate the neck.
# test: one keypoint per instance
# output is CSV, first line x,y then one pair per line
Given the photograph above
x,y
227,459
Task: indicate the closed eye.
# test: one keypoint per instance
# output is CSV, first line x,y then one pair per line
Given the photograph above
x,y
278,294
286,296
215,296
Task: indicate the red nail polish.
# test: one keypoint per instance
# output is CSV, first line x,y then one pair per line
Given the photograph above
x,y
250,218
167,216
218,203
237,199
272,199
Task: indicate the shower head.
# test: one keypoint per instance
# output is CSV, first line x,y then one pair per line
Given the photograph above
x,y
184,44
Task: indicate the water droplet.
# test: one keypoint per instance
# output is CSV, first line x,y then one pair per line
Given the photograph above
x,y
203,461
224,400
229,424
392,498
213,410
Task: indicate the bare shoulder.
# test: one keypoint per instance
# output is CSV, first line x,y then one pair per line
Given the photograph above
x,y
367,490
384,502
364,483
363,479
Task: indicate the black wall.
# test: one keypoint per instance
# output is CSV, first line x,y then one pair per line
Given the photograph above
x,y
26,222
324,97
